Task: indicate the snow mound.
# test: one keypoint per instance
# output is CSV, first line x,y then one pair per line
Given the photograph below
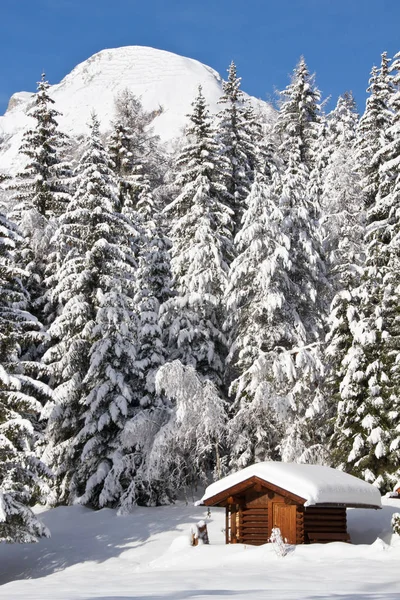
x,y
166,83
317,484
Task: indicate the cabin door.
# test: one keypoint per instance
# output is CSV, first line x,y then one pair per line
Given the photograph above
x,y
284,517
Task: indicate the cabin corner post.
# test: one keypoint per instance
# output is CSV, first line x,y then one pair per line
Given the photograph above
x,y
234,536
300,537
227,525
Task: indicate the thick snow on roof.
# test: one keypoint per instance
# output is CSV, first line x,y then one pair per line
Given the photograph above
x,y
315,483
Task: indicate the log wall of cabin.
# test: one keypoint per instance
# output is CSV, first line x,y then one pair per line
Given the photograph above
x,y
252,514
254,527
321,519
250,518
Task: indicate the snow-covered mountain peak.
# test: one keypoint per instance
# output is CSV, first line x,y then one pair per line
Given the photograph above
x,y
166,83
138,65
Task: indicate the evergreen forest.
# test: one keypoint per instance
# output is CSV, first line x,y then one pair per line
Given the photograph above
x,y
171,315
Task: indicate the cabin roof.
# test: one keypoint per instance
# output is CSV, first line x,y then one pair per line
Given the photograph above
x,y
317,484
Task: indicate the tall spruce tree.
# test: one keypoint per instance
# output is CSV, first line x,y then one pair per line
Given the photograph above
x,y
239,133
92,357
367,423
299,117
255,295
373,130
345,321
134,148
23,478
201,250
342,198
301,367
150,409
42,187
40,194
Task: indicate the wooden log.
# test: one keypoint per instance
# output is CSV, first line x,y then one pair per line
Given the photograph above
x,y
325,511
330,529
257,515
319,517
326,536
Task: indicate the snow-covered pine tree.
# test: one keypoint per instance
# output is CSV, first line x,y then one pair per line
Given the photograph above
x,y
299,117
42,187
344,221
23,478
362,436
40,193
368,415
150,409
305,307
153,288
342,199
373,130
346,314
92,357
254,295
123,163
239,133
201,251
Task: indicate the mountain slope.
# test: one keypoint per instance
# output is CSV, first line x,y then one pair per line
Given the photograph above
x,y
167,83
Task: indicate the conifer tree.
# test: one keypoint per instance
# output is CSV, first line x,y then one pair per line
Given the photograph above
x,y
40,193
300,361
298,118
23,478
342,198
153,288
42,187
123,163
366,427
373,130
150,409
239,133
255,294
201,250
93,352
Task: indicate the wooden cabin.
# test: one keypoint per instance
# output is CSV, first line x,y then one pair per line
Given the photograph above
x,y
307,502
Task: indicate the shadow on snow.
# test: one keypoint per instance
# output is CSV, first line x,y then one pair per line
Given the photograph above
x,y
79,534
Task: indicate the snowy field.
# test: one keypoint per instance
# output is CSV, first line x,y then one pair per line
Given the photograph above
x,y
102,556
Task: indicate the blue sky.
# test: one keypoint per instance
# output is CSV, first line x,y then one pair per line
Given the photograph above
x,y
340,39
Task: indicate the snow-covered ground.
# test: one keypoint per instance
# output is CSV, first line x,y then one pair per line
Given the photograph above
x,y
102,556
